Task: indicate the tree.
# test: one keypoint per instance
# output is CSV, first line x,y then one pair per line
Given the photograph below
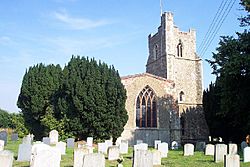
x,y
245,21
5,119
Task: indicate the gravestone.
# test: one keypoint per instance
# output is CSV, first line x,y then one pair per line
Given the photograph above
x,y
220,139
123,147
24,152
113,153
108,143
1,145
200,146
89,141
209,138
46,140
139,141
232,148
188,149
94,160
3,136
102,148
70,143
62,147
174,145
163,148
6,158
14,136
209,149
78,156
53,135
141,146
156,157
220,151
243,145
156,143
246,154
232,160
27,140
142,158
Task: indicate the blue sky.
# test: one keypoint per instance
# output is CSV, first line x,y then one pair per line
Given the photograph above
x,y
114,31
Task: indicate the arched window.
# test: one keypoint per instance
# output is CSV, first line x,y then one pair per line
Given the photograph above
x,y
155,51
179,49
181,96
146,113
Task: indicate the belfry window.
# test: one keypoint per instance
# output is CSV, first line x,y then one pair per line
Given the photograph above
x,y
146,113
181,96
155,51
179,49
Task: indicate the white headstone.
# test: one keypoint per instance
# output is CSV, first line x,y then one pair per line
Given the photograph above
x,y
157,142
46,140
174,145
142,158
3,136
139,141
232,160
6,158
156,157
1,145
62,147
53,135
163,148
78,156
24,152
89,141
113,153
246,154
188,149
94,160
108,143
243,145
220,151
141,146
102,148
27,140
209,138
232,148
123,147
209,149
220,139
70,143
200,146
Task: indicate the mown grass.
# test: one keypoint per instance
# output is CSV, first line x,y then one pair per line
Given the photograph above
x,y
175,159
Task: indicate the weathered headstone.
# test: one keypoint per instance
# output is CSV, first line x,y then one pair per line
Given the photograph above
x,y
232,160
53,135
156,157
220,151
62,147
209,149
70,143
123,147
139,141
24,152
174,145
142,158
141,146
246,154
243,145
200,146
3,136
113,153
163,148
102,148
78,156
27,140
89,141
188,149
232,148
156,143
1,145
14,137
94,160
46,140
6,158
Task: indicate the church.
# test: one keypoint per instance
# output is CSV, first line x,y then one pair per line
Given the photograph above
x,y
165,102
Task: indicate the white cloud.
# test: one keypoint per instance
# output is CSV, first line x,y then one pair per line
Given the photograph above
x,y
5,40
78,23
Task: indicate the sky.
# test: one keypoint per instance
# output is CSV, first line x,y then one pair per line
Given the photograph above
x,y
114,31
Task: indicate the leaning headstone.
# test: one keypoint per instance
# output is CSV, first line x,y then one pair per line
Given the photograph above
x,y
156,143
6,158
27,140
200,146
62,147
14,137
142,158
3,136
94,160
139,141
123,147
174,145
209,149
246,154
220,151
232,160
113,153
53,135
156,157
188,149
24,152
102,148
46,140
243,145
89,141
70,143
1,145
141,146
78,156
163,148
232,148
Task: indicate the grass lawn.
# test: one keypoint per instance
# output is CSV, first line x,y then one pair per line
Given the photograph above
x,y
174,159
